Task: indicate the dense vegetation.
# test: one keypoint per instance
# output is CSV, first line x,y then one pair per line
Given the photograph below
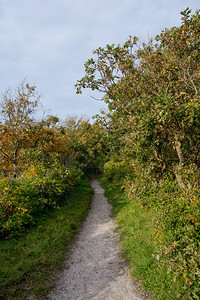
x,y
41,161
147,143
44,194
137,236
153,121
29,262
43,197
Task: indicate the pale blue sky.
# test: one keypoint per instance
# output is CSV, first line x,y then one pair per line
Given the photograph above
x,y
48,41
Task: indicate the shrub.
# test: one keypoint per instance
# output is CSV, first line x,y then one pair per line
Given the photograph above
x,y
25,197
180,218
177,220
115,171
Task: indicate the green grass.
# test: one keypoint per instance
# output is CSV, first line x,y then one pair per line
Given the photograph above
x,y
140,243
29,264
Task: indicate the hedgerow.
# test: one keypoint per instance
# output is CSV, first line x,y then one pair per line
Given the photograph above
x,y
23,199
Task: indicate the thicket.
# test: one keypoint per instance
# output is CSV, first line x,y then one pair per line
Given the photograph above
x,y
41,161
153,94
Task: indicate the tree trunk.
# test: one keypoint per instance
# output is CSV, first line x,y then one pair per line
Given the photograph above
x,y
180,181
181,162
179,151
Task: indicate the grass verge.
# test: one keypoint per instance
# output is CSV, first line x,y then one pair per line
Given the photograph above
x,y
140,243
28,265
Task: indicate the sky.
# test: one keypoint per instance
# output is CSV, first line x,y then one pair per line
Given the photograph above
x,y
46,42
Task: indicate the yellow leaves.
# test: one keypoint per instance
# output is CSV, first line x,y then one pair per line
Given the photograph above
x,y
30,173
22,210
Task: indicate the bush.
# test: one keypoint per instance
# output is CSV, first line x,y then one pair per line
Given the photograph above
x,y
177,222
25,197
180,218
115,171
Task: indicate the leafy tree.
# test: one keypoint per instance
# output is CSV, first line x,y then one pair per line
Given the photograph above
x,y
153,96
152,92
86,143
17,125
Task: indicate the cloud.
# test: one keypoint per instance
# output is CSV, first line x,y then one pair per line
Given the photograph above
x,y
48,41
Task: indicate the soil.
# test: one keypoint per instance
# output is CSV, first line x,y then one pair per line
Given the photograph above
x,y
95,268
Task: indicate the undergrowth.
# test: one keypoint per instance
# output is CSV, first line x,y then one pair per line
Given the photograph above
x,y
141,244
29,263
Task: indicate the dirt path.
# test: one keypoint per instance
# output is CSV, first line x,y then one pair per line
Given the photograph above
x,y
95,269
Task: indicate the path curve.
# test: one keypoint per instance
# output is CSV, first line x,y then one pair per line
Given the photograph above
x,y
95,269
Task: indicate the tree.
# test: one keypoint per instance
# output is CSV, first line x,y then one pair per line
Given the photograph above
x,y
86,143
17,125
153,97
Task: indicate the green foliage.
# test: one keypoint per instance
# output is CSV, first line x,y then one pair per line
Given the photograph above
x,y
25,197
153,95
152,92
180,215
41,161
87,143
28,263
176,215
115,171
140,243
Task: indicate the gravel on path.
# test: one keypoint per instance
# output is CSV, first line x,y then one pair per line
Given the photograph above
x,y
95,269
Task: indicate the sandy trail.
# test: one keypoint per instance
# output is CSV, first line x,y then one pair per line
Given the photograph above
x,y
95,269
